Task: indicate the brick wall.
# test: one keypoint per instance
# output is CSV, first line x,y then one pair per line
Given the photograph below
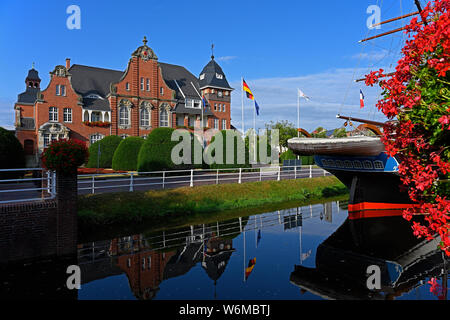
x,y
39,229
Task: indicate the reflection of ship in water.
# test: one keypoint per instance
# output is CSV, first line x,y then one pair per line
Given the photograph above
x,y
387,242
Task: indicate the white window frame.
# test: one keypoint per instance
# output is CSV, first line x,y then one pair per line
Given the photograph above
x,y
162,123
147,84
52,114
67,115
219,93
96,114
142,83
144,121
216,123
124,118
93,138
127,86
224,124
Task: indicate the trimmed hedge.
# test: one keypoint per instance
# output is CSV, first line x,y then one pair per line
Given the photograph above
x,y
11,154
211,153
108,146
155,153
126,155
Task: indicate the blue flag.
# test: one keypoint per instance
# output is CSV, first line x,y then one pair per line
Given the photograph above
x,y
257,108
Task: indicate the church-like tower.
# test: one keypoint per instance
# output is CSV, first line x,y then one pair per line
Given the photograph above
x,y
214,86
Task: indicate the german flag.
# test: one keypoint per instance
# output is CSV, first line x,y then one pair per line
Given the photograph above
x,y
249,269
247,90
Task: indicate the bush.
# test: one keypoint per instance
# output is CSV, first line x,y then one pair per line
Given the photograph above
x,y
11,154
108,146
155,153
65,155
211,153
126,155
289,155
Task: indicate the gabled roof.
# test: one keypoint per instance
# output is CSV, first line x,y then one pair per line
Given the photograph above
x,y
87,79
213,76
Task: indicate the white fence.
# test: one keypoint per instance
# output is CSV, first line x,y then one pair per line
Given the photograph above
x,y
38,184
35,184
132,181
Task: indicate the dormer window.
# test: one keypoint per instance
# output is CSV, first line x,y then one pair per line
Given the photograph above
x,y
192,103
219,76
220,93
202,76
93,96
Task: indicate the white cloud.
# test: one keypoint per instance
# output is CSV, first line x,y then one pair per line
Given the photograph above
x,y
226,58
7,113
331,92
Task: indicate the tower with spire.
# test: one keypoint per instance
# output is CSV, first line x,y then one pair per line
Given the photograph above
x,y
216,89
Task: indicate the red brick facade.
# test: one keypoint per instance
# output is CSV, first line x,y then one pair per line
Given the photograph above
x,y
60,110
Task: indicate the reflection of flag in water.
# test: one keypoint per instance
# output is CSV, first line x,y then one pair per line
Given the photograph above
x,y
259,237
305,255
249,269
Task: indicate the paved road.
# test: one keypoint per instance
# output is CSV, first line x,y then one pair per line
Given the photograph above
x,y
174,180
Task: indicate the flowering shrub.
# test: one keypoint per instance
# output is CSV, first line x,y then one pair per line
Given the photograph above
x,y
65,155
104,124
418,96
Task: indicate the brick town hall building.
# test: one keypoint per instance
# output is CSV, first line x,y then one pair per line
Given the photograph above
x,y
89,103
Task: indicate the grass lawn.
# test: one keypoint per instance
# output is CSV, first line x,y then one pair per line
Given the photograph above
x,y
181,204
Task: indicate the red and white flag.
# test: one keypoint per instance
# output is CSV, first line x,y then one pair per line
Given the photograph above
x,y
361,99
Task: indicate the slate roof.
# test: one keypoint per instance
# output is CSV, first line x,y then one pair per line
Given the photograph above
x,y
33,75
87,80
29,96
210,79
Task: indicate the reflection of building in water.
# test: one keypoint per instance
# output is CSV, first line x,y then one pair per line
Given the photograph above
x,y
215,258
144,267
343,258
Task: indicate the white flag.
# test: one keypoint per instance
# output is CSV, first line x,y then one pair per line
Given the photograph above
x,y
301,94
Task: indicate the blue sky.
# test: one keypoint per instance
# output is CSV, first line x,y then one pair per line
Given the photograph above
x,y
277,46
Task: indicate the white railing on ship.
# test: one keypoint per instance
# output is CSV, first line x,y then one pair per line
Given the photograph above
x,y
19,190
163,179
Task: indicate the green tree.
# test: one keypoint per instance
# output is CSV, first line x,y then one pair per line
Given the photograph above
x,y
320,132
11,154
339,133
286,130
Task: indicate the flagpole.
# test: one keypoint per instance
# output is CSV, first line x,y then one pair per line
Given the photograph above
x,y
242,97
254,129
298,113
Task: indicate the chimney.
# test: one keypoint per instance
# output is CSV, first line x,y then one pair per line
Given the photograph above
x,y
67,63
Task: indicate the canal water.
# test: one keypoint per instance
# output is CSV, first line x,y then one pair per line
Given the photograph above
x,y
304,253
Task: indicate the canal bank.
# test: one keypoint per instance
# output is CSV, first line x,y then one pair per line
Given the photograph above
x,y
177,206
